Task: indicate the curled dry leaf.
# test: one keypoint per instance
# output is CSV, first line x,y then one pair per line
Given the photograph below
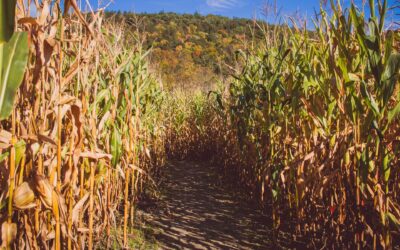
x,y
95,156
67,100
78,208
28,20
73,70
5,136
40,138
49,48
76,114
148,154
136,168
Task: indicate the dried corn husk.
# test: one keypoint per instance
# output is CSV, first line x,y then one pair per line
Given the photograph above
x,y
24,197
8,234
44,190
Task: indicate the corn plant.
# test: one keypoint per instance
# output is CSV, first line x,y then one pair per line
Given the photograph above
x,y
13,60
86,131
309,125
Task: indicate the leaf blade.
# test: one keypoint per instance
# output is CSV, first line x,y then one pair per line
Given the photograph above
x,y
14,62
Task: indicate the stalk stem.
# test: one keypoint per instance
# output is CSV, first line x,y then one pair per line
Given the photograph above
x,y
12,170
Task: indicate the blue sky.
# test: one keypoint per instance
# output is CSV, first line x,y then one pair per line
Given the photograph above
x,y
232,8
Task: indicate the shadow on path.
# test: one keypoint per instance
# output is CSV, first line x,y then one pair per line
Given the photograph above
x,y
199,213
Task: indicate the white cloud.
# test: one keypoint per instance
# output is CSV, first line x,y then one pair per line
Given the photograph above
x,y
222,4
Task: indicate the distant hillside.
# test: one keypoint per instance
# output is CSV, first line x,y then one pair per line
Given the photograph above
x,y
192,49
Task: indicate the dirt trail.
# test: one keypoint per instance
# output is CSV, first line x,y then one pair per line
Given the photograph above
x,y
198,212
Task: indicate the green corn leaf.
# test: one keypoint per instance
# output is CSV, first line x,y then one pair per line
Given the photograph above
x,y
390,76
372,8
20,148
274,194
370,100
393,219
393,113
4,156
359,27
389,45
14,61
1,59
3,204
383,11
101,96
7,16
386,166
364,165
116,146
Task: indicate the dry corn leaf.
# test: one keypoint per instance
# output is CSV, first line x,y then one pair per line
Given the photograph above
x,y
95,156
5,136
28,20
78,208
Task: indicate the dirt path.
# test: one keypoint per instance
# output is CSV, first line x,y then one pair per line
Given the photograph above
x,y
197,212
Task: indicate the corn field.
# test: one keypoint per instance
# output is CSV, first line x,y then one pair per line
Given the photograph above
x,y
84,132
309,127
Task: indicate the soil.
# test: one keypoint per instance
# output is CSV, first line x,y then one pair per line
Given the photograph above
x,y
198,211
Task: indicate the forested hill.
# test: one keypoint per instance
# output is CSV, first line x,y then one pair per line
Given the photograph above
x,y
192,50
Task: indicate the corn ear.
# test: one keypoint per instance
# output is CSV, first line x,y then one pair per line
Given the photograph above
x,y
8,234
44,190
24,197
